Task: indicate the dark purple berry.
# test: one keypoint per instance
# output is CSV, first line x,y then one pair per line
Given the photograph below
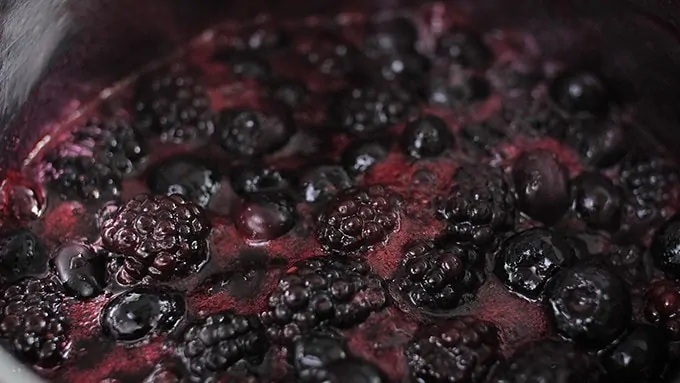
x,y
359,156
81,270
481,138
599,143
22,254
464,47
246,133
630,263
665,248
461,350
213,345
358,218
597,201
662,307
322,291
324,182
354,370
409,68
250,180
289,92
185,175
638,357
542,185
244,65
580,92
548,361
391,36
588,304
161,237
428,136
648,178
141,312
313,352
265,217
331,54
451,86
527,260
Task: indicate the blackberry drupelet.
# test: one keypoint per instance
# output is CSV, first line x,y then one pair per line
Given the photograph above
x,y
435,278
358,218
161,237
548,361
648,178
321,292
662,307
461,350
33,322
479,207
247,133
84,178
216,343
171,103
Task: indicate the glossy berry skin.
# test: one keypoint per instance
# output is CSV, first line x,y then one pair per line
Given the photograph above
x,y
185,175
588,304
358,218
251,180
265,217
320,292
662,307
461,350
22,254
213,344
160,237
599,143
465,47
313,352
247,133
140,313
580,93
528,259
597,201
648,177
354,370
81,270
542,185
428,136
639,356
360,156
548,361
665,248
322,183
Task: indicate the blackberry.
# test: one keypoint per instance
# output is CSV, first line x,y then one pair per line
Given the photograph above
x,y
662,307
464,47
638,357
390,36
597,201
648,178
461,350
548,361
451,86
479,206
428,136
321,292
436,279
580,92
172,103
588,304
314,352
244,64
161,237
33,322
84,178
22,254
81,270
665,248
630,264
542,185
246,133
186,175
264,217
358,218
370,110
528,259
220,341
141,312
361,155
324,182
254,179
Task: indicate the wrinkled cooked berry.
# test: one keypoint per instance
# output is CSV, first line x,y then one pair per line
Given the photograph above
x,y
597,201
359,156
542,185
528,259
81,270
324,182
548,361
648,178
638,357
451,86
256,179
22,254
358,218
390,36
579,92
248,133
459,351
464,47
665,248
588,304
185,175
478,207
320,292
438,279
427,136
141,312
663,307
216,343
161,237
265,217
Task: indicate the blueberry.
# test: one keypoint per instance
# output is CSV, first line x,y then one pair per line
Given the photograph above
x,y
579,92
451,86
264,217
316,351
22,254
428,136
597,201
527,260
256,179
247,133
322,183
136,314
390,36
588,304
639,356
464,47
542,185
665,248
354,370
599,143
186,175
81,270
360,156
